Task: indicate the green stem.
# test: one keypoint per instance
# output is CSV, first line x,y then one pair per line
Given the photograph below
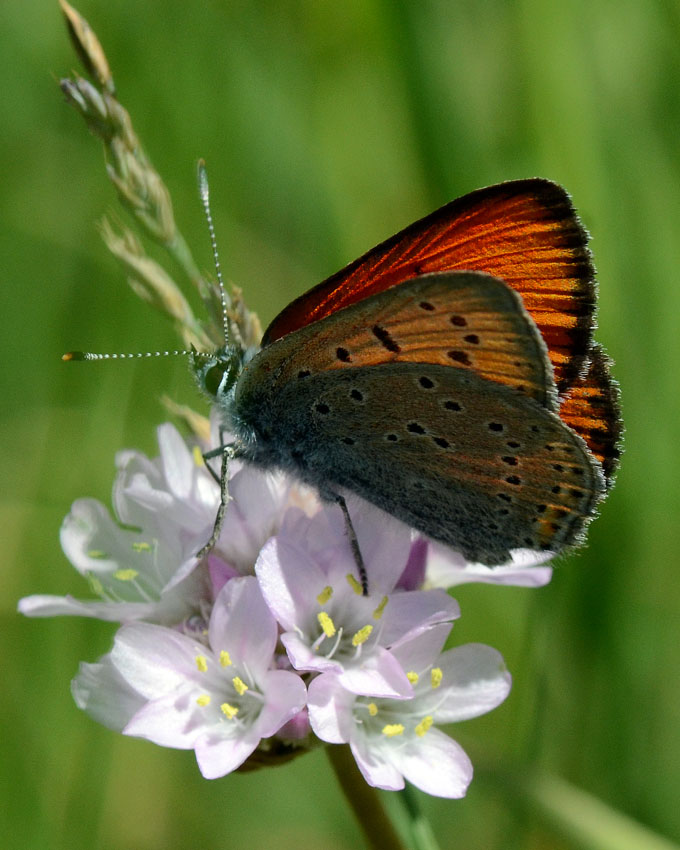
x,y
364,800
420,832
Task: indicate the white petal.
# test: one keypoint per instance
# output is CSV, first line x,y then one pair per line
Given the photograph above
x,y
434,763
448,568
218,756
376,769
177,462
101,691
175,720
474,681
54,606
153,659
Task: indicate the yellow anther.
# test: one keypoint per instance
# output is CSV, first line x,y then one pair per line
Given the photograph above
x,y
326,624
203,700
354,584
141,547
436,677
239,685
225,658
372,709
198,456
229,711
126,575
201,663
377,614
413,677
393,729
98,554
362,635
325,595
424,725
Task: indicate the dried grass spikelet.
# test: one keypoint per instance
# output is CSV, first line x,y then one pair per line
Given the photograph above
x,y
142,191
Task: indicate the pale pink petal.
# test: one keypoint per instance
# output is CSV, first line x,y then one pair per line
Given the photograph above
x,y
285,695
290,581
242,624
410,612
379,674
330,709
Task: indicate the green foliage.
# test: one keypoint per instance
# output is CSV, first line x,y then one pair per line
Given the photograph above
x,y
326,128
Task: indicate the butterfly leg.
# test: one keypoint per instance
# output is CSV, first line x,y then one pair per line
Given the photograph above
x,y
218,452
353,541
227,453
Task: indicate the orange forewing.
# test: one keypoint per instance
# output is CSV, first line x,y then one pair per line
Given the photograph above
x,y
464,320
591,409
525,232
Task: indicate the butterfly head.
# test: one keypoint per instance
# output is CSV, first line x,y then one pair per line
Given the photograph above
x,y
217,373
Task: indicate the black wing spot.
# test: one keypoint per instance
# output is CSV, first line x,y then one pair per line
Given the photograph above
x,y
504,497
497,427
459,357
385,339
556,490
322,408
459,321
392,438
304,373
514,479
452,405
473,339
415,428
513,444
348,441
425,382
510,460
425,305
441,442
541,509
558,467
356,395
342,354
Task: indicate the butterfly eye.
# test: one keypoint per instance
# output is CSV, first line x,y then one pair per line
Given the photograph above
x,y
217,373
213,378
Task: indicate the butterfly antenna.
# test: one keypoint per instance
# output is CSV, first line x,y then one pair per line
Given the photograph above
x,y
204,191
91,355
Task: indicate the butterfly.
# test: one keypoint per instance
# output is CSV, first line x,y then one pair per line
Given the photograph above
x,y
448,376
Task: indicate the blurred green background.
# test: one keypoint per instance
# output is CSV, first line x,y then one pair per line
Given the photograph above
x,y
326,128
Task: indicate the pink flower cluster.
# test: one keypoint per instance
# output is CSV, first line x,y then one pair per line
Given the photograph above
x,y
269,641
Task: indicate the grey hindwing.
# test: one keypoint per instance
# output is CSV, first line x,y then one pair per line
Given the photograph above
x,y
468,462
